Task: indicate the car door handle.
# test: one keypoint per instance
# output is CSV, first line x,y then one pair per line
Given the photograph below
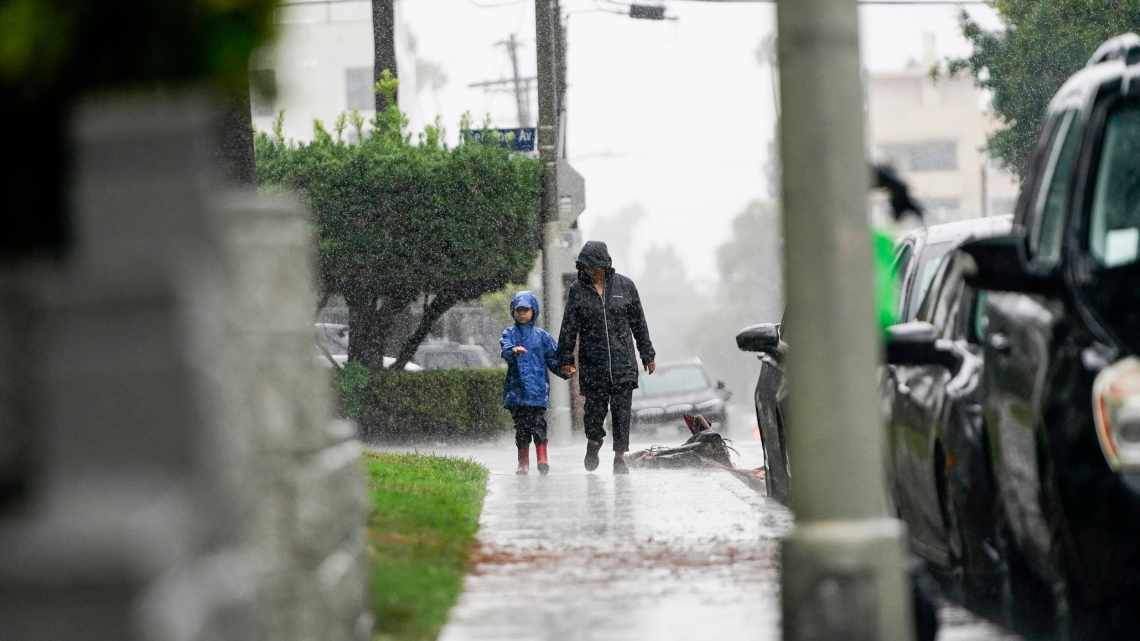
x,y
999,342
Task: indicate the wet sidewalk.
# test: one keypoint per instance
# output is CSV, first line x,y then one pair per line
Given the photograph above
x,y
654,555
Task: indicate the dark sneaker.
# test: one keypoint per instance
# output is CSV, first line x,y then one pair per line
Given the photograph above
x,y
543,469
591,460
619,465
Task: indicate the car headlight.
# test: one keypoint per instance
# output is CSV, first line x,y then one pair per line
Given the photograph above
x,y
1116,412
709,406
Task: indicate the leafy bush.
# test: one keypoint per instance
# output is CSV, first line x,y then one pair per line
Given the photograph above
x,y
400,222
398,405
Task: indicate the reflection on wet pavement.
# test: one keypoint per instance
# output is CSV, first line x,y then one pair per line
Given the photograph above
x,y
671,554
656,555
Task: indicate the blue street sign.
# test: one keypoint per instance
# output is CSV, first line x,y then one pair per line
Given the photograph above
x,y
517,139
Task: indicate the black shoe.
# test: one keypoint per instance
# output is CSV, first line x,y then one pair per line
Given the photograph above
x,y
543,469
619,464
591,460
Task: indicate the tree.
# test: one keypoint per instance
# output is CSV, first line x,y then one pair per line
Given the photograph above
x,y
384,49
235,138
400,222
749,291
1043,43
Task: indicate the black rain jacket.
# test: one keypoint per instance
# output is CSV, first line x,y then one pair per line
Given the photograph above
x,y
603,327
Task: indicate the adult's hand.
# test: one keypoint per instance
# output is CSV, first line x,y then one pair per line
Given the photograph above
x,y
651,367
569,370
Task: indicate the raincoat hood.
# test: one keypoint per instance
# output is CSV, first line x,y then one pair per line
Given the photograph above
x,y
526,299
594,254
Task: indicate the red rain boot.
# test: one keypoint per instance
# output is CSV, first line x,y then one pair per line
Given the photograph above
x,y
543,464
524,460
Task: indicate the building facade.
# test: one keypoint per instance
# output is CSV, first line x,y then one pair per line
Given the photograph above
x,y
934,133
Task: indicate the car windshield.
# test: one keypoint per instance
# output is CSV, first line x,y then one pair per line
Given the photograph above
x,y
1115,228
334,338
673,380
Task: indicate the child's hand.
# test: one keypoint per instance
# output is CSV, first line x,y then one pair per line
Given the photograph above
x,y
569,370
519,349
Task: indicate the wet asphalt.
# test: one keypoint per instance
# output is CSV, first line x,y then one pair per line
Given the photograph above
x,y
657,554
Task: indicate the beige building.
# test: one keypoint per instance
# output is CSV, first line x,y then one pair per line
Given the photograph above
x,y
933,133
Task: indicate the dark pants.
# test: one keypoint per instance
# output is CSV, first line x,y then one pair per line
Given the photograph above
x,y
618,405
530,422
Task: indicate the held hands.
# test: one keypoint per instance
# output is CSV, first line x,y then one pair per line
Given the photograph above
x,y
569,370
651,367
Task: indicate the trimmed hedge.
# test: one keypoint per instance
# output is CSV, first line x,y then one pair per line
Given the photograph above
x,y
450,403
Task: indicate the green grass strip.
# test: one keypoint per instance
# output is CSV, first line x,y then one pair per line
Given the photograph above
x,y
426,512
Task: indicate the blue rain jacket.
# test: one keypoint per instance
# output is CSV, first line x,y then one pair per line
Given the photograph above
x,y
526,384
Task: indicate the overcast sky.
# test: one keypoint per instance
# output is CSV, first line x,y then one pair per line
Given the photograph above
x,y
674,115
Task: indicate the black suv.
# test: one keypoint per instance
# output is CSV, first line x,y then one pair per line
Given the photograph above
x,y
1062,306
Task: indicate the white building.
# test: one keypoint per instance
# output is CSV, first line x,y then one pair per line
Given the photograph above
x,y
934,132
321,67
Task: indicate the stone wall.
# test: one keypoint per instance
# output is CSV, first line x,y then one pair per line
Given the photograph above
x,y
170,468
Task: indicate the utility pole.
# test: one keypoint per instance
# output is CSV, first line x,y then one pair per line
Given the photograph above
x,y
843,566
522,97
517,83
384,46
547,32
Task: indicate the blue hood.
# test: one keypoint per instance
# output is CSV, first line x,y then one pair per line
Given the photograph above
x,y
526,299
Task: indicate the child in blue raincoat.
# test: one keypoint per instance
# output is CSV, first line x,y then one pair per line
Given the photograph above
x,y
529,351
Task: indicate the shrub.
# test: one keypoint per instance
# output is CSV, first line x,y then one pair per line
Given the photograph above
x,y
401,222
448,404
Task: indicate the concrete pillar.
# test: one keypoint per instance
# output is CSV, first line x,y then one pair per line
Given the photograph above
x,y
843,571
187,481
306,505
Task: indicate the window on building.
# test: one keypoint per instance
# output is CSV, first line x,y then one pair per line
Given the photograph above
x,y
263,88
358,89
931,155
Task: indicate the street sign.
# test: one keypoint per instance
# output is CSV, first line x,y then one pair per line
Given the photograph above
x,y
516,139
571,192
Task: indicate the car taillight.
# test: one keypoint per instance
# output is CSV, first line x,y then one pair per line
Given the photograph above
x,y
1116,412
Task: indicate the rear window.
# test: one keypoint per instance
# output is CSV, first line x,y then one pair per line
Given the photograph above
x,y
929,261
1115,226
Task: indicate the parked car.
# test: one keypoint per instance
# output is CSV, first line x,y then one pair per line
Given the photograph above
x,y
917,256
676,389
937,462
452,355
1064,306
333,337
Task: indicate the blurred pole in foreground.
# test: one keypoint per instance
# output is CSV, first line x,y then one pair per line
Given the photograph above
x,y
843,566
547,28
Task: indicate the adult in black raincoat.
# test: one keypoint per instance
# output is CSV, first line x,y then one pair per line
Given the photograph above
x,y
604,318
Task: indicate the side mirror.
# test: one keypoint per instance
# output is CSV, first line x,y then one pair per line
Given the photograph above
x,y
999,263
917,343
764,337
